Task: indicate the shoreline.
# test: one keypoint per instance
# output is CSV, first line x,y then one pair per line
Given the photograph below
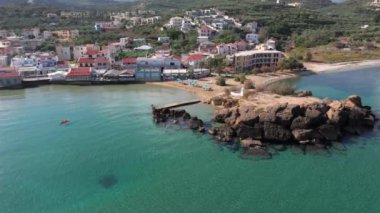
x,y
264,99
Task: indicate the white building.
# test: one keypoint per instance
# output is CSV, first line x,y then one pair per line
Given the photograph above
x,y
176,22
3,61
270,44
47,34
252,37
248,60
163,39
186,25
205,31
251,26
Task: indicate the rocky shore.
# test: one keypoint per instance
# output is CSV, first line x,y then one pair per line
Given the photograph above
x,y
317,124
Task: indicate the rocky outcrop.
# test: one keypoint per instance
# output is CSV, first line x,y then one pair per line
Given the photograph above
x,y
318,123
303,93
178,117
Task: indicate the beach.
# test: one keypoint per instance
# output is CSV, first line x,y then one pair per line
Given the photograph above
x,y
262,99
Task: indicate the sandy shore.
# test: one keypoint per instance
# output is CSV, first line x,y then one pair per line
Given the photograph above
x,y
338,67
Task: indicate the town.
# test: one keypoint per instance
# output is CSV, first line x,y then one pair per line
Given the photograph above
x,y
135,59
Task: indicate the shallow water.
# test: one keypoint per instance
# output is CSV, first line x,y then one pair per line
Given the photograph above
x,y
112,158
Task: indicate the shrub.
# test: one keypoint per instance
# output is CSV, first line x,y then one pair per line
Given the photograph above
x,y
281,88
220,81
240,78
308,57
227,92
248,84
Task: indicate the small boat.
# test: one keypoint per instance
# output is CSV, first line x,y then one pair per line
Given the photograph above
x,y
63,122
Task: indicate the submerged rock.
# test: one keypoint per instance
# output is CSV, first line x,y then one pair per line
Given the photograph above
x,y
107,181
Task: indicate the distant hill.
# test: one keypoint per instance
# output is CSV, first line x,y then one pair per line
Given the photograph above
x,y
72,3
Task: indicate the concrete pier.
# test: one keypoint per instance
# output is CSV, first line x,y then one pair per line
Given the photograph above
x,y
178,104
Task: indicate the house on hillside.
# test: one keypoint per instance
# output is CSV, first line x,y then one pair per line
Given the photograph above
x,y
251,27
205,31
252,38
207,47
195,60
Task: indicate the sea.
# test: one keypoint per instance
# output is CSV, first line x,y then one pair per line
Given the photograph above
x,y
111,157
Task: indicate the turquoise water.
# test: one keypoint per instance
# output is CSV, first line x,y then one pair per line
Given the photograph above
x,y
45,167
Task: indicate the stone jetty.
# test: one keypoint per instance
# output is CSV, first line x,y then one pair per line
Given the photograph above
x,y
316,124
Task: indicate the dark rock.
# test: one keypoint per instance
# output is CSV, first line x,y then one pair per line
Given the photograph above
x,y
225,134
186,116
229,103
315,116
259,151
356,100
221,115
233,116
286,116
178,113
300,123
248,116
202,129
338,116
303,93
277,107
369,121
212,131
246,143
107,181
303,134
268,117
329,132
274,132
217,101
195,123
245,131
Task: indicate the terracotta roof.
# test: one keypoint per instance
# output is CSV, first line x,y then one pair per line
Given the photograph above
x,y
102,60
92,52
196,57
204,27
129,60
63,63
86,60
80,71
7,73
177,57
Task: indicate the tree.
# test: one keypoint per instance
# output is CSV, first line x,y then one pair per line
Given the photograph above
x,y
308,57
290,63
228,36
216,64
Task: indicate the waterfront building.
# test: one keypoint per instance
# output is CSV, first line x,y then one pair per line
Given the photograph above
x,y
248,60
195,60
80,74
9,78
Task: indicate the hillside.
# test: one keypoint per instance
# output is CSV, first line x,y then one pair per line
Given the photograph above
x,y
70,3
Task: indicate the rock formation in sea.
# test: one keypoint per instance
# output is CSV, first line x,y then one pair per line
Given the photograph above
x,y
318,124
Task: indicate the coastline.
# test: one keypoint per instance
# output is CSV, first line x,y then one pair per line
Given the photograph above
x,y
263,99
